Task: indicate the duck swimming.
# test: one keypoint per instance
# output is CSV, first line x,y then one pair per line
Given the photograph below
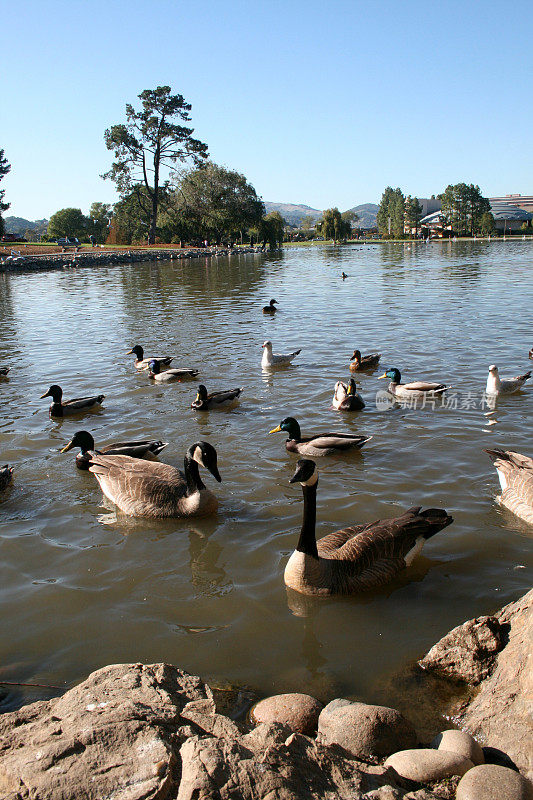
x,y
416,390
359,363
6,473
148,450
515,472
70,407
271,308
205,401
168,375
3,372
271,359
151,489
324,444
143,363
496,386
345,397
358,558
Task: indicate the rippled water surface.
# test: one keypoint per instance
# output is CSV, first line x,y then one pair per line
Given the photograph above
x,y
83,586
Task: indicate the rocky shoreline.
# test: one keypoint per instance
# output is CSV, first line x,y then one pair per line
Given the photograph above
x,y
96,258
134,731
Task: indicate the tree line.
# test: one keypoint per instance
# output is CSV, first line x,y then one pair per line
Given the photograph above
x,y
464,211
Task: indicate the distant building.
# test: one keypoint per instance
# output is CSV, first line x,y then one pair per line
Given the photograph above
x,y
508,216
524,201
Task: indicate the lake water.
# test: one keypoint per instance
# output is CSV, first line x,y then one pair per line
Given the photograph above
x,y
83,586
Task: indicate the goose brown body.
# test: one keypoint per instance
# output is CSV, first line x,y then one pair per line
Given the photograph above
x,y
515,472
151,489
358,558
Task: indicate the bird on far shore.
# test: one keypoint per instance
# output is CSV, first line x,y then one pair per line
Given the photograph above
x,y
169,375
322,444
68,408
358,558
143,363
497,385
271,359
146,449
271,308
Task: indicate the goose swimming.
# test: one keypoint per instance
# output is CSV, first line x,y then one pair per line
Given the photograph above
x,y
515,472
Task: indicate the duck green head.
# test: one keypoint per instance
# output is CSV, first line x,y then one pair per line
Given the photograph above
x,y
154,366
55,392
393,374
137,351
201,395
81,439
352,387
290,425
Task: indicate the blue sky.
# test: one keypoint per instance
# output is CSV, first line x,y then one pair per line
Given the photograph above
x,y
317,103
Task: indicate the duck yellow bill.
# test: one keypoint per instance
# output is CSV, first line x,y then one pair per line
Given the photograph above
x,y
275,430
197,399
129,353
44,395
382,376
66,448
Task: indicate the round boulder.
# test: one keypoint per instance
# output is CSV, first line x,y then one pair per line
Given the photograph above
x,y
426,765
364,730
298,711
459,742
491,782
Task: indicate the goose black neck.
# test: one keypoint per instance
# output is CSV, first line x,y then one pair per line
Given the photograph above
x,y
307,541
192,476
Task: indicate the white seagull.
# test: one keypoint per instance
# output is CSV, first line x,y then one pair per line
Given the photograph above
x,y
271,359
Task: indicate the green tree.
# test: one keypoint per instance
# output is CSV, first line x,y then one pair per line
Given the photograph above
x,y
333,226
129,223
270,230
100,215
463,206
214,202
391,213
151,140
413,213
487,223
5,167
350,218
68,222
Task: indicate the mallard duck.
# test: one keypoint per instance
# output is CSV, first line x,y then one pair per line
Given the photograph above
x,y
148,450
359,363
271,359
68,408
357,558
6,473
497,386
417,390
169,375
143,363
345,397
3,372
344,276
515,472
151,489
324,444
531,353
204,401
271,308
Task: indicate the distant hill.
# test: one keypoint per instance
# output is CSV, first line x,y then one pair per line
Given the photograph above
x,y
367,213
21,225
293,214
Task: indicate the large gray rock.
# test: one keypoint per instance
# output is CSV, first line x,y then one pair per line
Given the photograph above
x,y
106,737
427,765
299,711
364,730
499,714
491,782
459,742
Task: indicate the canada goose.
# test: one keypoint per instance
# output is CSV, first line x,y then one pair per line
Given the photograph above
x,y
271,359
151,489
148,450
6,473
271,308
497,386
3,372
345,397
359,363
360,557
416,390
70,407
204,401
515,472
168,375
143,363
324,444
